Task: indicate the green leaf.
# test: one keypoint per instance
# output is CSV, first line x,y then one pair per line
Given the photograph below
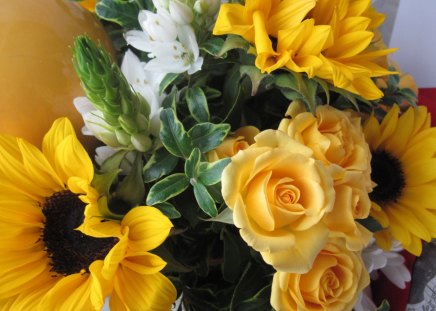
x,y
167,188
236,255
124,14
204,199
384,306
212,46
253,280
166,81
233,42
226,217
170,100
197,104
371,224
173,134
210,173
161,163
207,136
255,76
168,210
192,164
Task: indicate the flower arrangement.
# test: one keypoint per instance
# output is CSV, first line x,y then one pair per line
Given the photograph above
x,y
255,155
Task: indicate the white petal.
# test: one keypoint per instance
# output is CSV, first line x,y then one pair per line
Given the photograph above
x,y
132,68
159,26
83,104
180,12
138,40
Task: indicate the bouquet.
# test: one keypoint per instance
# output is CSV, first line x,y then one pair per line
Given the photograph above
x,y
253,155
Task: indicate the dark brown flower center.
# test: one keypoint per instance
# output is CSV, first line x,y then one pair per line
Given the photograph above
x,y
70,250
387,173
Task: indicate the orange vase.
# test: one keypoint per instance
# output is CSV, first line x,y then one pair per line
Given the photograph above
x,y
37,79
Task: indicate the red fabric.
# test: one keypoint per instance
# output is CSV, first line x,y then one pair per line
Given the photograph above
x,y
427,97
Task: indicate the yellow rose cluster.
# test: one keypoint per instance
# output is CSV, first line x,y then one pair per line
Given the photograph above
x,y
295,194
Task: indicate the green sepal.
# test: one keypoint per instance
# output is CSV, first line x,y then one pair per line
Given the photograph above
x,y
103,182
123,13
192,163
131,188
114,161
168,210
161,163
210,173
207,136
173,135
197,104
167,188
204,199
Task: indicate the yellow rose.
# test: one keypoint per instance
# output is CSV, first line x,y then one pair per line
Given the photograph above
x,y
239,140
334,283
279,195
337,139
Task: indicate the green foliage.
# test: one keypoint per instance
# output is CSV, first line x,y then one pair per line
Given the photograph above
x,y
160,164
167,188
173,135
384,306
123,13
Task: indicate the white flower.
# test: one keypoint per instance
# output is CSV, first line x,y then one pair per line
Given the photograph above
x,y
390,263
168,37
178,56
146,83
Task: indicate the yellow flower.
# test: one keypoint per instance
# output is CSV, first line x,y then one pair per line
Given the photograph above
x,y
348,59
46,263
275,28
279,195
334,282
337,140
404,169
239,140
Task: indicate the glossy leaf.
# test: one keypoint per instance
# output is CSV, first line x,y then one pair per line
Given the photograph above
x,y
173,135
167,188
207,136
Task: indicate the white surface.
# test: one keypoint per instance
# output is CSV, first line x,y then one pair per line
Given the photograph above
x,y
414,32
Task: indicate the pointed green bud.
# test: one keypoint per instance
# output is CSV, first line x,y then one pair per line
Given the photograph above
x,y
141,142
128,124
123,137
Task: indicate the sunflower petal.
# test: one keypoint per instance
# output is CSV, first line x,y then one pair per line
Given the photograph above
x,y
148,227
60,129
133,291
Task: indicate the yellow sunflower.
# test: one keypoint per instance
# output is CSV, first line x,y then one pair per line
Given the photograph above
x,y
48,265
277,31
349,60
404,169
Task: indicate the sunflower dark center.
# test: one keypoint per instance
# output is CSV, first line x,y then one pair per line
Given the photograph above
x,y
387,173
70,250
